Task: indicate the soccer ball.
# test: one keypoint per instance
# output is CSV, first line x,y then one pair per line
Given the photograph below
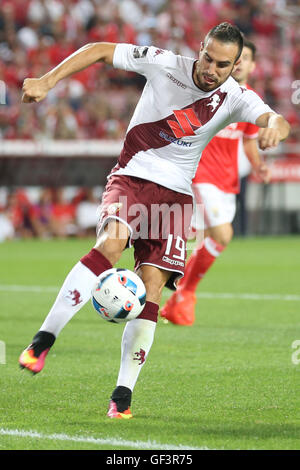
x,y
119,295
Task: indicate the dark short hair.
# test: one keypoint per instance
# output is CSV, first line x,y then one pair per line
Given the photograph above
x,y
226,32
250,46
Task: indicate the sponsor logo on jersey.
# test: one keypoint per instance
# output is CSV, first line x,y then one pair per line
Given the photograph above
x,y
176,81
140,52
183,122
186,120
172,261
173,140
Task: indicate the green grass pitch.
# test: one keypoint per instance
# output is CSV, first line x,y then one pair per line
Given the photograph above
x,y
228,382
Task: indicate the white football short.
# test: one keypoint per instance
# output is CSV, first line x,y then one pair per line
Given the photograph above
x,y
212,206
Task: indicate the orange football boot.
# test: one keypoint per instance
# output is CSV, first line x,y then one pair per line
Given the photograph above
x,y
33,357
166,310
114,413
180,308
29,361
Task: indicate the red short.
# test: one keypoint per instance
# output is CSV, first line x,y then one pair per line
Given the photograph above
x,y
158,220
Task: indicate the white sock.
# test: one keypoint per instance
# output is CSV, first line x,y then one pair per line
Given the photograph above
x,y
136,343
73,295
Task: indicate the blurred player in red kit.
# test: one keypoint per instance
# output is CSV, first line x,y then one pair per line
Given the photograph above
x,y
215,186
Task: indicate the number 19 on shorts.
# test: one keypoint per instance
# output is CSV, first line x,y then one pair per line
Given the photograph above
x,y
175,246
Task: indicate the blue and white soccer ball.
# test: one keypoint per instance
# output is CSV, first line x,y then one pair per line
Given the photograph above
x,y
119,295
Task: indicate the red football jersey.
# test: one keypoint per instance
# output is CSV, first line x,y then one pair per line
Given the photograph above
x,y
219,160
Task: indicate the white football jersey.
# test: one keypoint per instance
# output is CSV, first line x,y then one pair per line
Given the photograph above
x,y
174,120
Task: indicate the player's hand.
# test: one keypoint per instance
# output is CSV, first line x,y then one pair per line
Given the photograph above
x,y
263,172
268,138
34,90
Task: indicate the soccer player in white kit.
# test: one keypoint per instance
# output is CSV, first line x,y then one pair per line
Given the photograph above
x,y
215,186
185,102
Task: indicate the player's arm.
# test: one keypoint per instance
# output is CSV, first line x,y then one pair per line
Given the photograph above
x,y
274,128
259,166
36,89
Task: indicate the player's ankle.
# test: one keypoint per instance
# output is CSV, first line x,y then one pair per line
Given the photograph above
x,y
122,397
41,341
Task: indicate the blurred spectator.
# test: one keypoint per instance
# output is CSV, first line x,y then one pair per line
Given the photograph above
x,y
271,95
16,212
244,19
51,213
41,215
7,231
86,213
264,21
66,124
63,215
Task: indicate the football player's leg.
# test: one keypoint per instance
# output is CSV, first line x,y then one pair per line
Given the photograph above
x,y
180,307
221,234
137,340
215,241
75,292
218,210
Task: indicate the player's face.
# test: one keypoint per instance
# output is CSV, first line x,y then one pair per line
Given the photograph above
x,y
215,64
245,67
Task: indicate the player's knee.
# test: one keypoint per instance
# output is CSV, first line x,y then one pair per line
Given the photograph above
x,y
110,248
226,238
112,241
154,284
223,236
111,254
154,290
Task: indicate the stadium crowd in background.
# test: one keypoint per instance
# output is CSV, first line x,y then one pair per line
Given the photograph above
x,y
36,35
48,212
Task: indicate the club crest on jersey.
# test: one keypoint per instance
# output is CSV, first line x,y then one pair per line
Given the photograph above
x,y
215,100
140,52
